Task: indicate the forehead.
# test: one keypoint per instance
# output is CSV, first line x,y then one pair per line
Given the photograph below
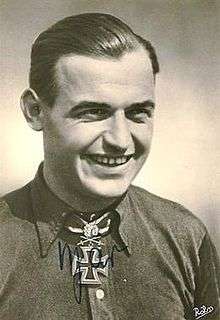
x,y
88,77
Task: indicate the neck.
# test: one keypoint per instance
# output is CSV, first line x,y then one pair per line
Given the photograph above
x,y
84,203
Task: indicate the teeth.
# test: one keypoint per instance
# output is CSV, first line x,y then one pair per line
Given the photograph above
x,y
111,161
123,159
104,160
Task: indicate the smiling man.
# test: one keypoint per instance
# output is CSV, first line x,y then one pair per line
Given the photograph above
x,y
79,241
98,133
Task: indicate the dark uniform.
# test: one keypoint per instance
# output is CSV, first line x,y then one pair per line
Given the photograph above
x,y
163,263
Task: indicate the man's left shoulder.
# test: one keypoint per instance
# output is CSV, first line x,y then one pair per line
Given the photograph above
x,y
166,214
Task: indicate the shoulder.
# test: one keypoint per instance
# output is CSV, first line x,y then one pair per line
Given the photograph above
x,y
18,201
17,233
171,217
15,213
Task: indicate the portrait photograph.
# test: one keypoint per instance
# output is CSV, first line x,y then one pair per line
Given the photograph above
x,y
110,160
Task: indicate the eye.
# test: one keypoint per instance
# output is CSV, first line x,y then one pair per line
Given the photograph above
x,y
139,115
93,114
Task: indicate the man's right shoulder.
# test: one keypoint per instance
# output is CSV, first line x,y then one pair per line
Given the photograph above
x,y
16,204
17,232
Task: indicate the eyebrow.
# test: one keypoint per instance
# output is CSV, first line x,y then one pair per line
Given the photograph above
x,y
95,104
146,103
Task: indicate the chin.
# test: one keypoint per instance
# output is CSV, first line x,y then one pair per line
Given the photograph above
x,y
108,189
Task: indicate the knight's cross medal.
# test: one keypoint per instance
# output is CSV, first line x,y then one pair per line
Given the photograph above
x,y
88,261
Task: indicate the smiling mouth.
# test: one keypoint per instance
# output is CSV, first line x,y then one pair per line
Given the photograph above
x,y
109,161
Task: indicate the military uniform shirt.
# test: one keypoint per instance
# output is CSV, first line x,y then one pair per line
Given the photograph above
x,y
169,265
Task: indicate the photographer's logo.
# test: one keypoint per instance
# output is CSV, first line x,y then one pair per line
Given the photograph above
x,y
202,311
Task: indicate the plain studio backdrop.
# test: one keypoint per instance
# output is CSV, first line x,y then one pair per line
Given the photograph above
x,y
184,161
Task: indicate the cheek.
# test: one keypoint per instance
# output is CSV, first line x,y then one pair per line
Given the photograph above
x,y
142,134
74,138
82,136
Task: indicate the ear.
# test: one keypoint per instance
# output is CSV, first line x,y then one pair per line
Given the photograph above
x,y
32,109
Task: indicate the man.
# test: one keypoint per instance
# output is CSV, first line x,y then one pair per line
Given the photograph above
x,y
79,242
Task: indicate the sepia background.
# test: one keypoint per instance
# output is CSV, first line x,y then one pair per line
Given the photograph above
x,y
185,156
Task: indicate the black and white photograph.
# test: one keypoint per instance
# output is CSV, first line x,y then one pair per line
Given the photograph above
x,y
110,160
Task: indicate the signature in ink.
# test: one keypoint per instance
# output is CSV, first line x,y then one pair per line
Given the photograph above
x,y
202,311
85,265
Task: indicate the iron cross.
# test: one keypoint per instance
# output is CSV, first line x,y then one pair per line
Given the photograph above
x,y
90,264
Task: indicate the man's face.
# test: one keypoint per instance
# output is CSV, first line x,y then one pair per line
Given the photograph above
x,y
98,133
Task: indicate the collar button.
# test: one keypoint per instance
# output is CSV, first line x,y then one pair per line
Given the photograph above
x,y
100,294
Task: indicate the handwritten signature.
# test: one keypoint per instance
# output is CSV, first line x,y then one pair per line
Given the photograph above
x,y
77,265
202,311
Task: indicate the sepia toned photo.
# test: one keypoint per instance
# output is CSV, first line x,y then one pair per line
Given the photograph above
x,y
109,168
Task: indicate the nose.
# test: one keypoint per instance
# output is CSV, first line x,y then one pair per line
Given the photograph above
x,y
118,136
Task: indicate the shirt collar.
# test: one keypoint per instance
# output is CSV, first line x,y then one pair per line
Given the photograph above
x,y
51,211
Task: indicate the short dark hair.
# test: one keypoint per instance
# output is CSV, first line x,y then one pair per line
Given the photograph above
x,y
89,34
